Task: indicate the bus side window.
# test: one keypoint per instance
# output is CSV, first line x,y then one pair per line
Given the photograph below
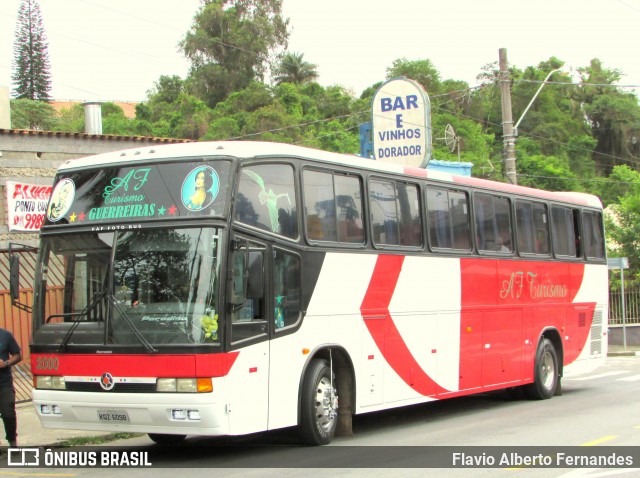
x,y
593,235
287,286
395,213
349,208
267,199
492,223
448,219
246,295
532,227
564,231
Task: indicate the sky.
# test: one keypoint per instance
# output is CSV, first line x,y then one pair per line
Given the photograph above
x,y
108,50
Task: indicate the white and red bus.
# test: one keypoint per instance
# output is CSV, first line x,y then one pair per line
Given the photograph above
x,y
234,287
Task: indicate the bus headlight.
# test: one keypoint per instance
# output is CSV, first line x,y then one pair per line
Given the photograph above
x,y
184,385
49,382
166,385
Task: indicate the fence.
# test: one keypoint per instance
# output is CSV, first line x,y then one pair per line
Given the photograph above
x,y
632,307
22,381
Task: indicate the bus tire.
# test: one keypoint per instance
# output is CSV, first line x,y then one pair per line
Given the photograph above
x,y
166,439
318,405
545,373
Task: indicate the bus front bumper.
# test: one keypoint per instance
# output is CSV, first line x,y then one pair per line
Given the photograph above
x,y
166,413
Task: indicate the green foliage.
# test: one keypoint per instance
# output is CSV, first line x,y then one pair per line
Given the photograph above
x,y
623,222
31,114
292,68
547,172
71,119
614,116
421,71
31,71
230,44
623,181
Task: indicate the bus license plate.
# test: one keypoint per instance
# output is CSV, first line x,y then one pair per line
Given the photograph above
x,y
114,416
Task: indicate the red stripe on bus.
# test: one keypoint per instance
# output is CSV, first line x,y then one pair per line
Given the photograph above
x,y
124,365
375,312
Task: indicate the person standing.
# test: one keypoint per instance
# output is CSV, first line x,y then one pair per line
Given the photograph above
x,y
10,355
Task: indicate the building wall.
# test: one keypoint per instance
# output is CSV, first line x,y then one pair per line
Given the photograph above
x,y
5,111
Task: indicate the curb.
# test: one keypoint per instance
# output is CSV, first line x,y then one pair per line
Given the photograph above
x,y
627,353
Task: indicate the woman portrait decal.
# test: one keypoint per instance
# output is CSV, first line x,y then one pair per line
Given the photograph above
x,y
61,199
200,188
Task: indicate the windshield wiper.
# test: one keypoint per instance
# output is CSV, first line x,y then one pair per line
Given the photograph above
x,y
123,313
76,322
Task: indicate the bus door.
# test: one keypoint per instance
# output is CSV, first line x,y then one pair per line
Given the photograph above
x,y
503,338
247,384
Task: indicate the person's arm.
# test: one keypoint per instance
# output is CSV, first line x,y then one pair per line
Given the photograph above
x,y
14,359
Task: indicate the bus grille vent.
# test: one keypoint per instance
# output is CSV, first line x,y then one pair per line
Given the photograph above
x,y
582,319
596,333
118,388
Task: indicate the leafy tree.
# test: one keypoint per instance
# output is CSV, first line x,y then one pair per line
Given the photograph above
x,y
31,114
161,99
614,116
623,223
421,71
71,119
230,44
294,69
623,181
192,117
31,76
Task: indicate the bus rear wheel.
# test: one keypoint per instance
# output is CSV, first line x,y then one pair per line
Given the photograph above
x,y
166,439
545,372
319,405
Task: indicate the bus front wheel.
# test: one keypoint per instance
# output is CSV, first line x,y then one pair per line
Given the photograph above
x,y
545,372
319,405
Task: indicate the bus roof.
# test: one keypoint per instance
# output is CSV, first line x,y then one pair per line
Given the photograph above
x,y
257,149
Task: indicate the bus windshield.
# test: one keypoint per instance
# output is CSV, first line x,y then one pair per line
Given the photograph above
x,y
144,287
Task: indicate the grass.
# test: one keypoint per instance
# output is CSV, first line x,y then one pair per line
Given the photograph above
x,y
97,440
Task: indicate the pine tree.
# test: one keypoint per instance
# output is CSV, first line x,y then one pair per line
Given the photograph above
x,y
31,76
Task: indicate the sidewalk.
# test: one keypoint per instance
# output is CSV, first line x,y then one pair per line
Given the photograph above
x,y
620,351
31,433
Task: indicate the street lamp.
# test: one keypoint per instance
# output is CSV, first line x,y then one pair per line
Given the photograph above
x,y
515,128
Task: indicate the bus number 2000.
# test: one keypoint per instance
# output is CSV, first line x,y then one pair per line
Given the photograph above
x,y
47,363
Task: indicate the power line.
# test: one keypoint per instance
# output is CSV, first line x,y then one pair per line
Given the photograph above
x,y
581,84
299,125
541,138
583,180
628,6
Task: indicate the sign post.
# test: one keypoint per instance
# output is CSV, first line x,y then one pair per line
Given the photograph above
x,y
401,114
621,263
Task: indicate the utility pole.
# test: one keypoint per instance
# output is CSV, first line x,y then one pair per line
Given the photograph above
x,y
509,138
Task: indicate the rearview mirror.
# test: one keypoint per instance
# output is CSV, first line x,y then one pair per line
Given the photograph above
x,y
14,277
